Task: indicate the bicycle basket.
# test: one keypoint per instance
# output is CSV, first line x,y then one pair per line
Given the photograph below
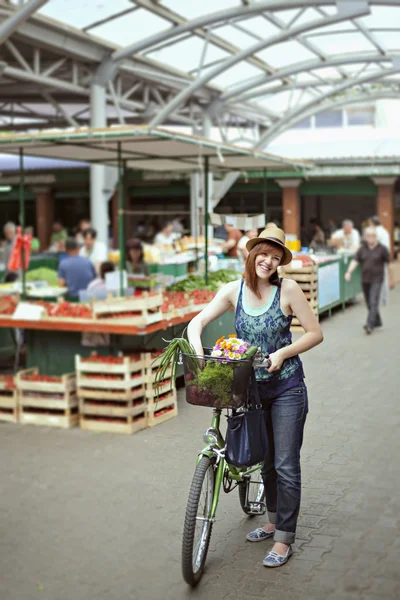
x,y
215,382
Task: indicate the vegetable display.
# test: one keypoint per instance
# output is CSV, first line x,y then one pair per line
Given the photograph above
x,y
219,380
224,380
197,282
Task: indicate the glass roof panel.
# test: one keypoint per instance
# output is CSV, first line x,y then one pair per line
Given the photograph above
x,y
130,28
236,35
195,8
259,26
236,74
286,53
390,40
81,13
186,55
382,16
343,42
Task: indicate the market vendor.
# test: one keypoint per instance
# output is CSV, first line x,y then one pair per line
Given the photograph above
x,y
348,237
9,234
230,247
166,237
58,237
93,249
75,272
35,244
135,263
80,229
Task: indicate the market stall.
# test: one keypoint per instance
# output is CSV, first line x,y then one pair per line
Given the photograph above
x,y
57,332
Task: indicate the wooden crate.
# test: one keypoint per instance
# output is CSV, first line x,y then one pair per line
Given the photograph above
x,y
130,364
151,360
123,381
307,278
147,306
50,418
127,425
161,409
8,402
150,375
102,408
52,404
67,383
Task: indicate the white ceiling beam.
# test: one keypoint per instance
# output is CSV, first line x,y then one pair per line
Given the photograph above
x,y
11,25
303,67
254,48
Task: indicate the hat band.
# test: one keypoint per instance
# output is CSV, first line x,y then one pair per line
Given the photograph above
x,y
273,239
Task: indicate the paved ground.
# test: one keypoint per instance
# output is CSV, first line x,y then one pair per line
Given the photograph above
x,y
93,517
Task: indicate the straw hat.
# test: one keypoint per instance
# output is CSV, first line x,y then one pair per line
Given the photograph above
x,y
276,236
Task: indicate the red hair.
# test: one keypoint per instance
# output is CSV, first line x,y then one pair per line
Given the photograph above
x,y
250,274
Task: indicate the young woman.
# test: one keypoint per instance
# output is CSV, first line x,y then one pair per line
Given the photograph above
x,y
135,262
265,305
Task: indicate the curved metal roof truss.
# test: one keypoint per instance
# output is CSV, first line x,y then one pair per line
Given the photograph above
x,y
260,65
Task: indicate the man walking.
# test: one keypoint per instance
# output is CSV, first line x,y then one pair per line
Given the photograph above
x,y
372,256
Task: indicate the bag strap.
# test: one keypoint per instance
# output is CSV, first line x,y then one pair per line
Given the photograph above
x,y
255,396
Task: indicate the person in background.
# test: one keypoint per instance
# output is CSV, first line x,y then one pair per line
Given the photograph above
x,y
141,229
82,226
11,277
396,239
348,237
135,263
373,257
331,227
242,250
35,245
166,236
230,247
93,249
178,227
318,239
383,238
75,272
381,232
10,230
99,284
58,237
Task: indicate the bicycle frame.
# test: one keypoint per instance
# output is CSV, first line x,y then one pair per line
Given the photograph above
x,y
234,473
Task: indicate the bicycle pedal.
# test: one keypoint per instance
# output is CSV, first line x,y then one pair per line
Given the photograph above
x,y
257,508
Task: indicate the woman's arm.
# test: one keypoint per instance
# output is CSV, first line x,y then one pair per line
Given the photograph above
x,y
222,302
313,333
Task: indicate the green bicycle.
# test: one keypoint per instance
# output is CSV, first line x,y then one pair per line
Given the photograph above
x,y
212,470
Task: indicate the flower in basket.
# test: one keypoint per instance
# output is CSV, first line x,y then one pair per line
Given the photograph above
x,y
230,348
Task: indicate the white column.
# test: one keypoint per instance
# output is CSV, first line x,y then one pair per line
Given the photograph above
x,y
195,204
207,125
98,193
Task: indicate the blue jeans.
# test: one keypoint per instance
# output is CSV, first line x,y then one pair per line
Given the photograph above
x,y
285,418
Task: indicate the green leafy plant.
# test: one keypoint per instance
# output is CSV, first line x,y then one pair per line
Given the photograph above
x,y
170,358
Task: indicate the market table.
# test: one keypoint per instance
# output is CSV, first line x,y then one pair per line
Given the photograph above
x,y
47,260
53,343
333,289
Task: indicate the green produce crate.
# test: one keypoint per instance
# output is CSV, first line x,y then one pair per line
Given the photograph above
x,y
175,269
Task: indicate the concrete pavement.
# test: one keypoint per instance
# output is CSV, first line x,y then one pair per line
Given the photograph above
x,y
93,517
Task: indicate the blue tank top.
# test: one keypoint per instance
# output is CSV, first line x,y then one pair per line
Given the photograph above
x,y
269,328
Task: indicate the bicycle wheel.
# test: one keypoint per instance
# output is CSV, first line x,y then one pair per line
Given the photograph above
x,y
252,494
197,528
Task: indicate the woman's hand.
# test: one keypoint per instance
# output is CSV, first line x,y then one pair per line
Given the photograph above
x,y
276,361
